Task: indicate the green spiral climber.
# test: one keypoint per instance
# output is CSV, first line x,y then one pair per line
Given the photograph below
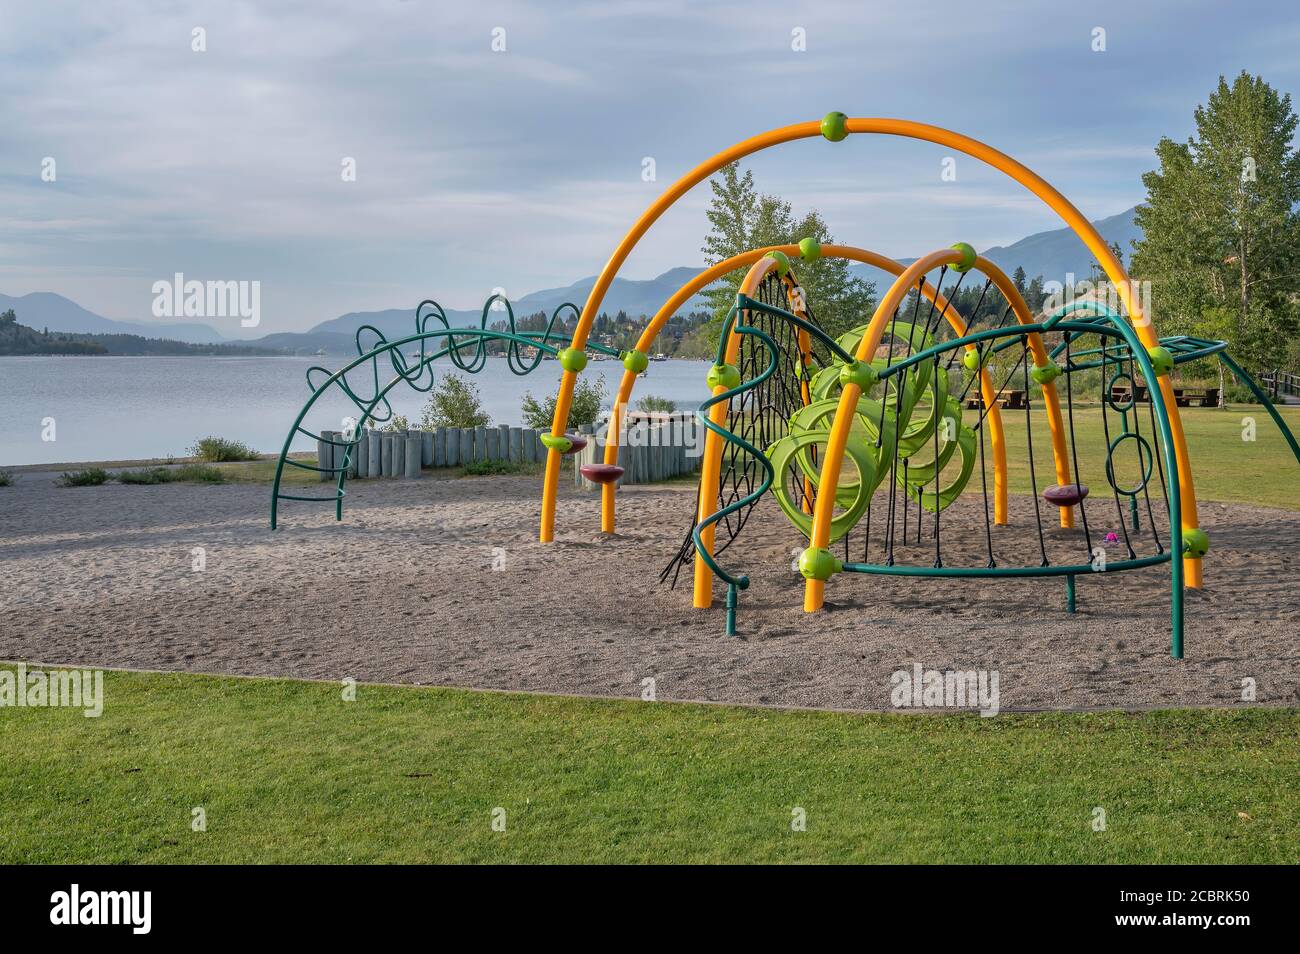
x,y
911,417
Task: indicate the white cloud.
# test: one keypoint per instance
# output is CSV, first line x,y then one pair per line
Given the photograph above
x,y
522,168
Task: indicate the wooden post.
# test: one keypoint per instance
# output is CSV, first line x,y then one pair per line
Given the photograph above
x,y
503,441
491,443
439,447
374,466
466,445
479,435
426,448
362,454
386,455
325,455
414,454
347,454
399,454
517,444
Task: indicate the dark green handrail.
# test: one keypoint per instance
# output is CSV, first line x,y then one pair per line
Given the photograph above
x,y
458,341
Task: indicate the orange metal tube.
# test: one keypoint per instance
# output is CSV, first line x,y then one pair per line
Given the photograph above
x,y
837,440
709,275
711,466
889,127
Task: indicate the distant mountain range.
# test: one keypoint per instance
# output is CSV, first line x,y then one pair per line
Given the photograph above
x,y
1052,254
41,310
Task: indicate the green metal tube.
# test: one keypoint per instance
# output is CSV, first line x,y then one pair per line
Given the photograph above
x,y
1247,380
1003,572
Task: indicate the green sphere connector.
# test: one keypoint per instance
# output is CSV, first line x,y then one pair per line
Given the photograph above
x,y
968,256
782,262
635,361
561,443
1046,373
1162,361
724,375
972,360
573,359
860,373
816,563
1196,543
835,126
810,249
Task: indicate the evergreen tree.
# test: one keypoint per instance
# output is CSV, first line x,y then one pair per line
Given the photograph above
x,y
741,220
1221,234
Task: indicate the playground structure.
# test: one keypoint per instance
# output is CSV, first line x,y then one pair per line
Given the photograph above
x,y
791,405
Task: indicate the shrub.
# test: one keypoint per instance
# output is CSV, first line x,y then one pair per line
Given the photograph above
x,y
654,404
1237,393
197,473
588,402
489,468
166,475
148,475
90,477
217,450
6,478
454,402
397,423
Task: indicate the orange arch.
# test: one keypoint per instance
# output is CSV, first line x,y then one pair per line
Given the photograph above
x,y
889,127
703,590
710,275
824,510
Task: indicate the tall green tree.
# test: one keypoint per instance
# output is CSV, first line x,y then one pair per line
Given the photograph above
x,y
1221,234
741,219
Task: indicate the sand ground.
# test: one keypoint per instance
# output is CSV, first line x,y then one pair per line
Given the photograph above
x,y
405,591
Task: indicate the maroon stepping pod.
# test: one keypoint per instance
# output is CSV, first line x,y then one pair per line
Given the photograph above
x,y
601,473
1066,495
576,443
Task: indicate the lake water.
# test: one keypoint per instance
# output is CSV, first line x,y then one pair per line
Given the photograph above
x,y
107,408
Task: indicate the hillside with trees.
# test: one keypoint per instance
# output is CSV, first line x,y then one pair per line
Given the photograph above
x,y
18,339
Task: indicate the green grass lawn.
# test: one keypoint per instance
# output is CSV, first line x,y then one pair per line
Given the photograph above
x,y
288,772
1224,466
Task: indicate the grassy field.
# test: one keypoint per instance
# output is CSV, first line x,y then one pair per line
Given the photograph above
x,y
289,772
1225,467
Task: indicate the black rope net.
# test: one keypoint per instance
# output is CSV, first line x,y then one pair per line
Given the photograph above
x,y
898,529
759,415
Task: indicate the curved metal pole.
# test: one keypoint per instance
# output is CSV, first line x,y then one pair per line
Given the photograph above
x,y
711,274
1177,557
846,412
889,127
367,406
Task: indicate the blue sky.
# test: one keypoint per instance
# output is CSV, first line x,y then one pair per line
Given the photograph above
x,y
522,168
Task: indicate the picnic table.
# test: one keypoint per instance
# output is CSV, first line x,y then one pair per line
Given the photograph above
x,y
1183,396
1010,400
